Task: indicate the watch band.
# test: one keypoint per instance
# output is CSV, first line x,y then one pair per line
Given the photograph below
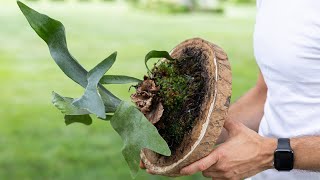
x,y
284,143
283,155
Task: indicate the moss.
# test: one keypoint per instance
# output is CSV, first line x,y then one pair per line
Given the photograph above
x,y
173,87
181,91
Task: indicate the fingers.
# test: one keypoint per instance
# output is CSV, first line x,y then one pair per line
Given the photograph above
x,y
250,174
150,172
142,166
218,175
211,174
229,175
200,165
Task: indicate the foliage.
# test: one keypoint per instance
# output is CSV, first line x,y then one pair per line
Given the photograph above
x,y
118,79
156,54
140,134
96,98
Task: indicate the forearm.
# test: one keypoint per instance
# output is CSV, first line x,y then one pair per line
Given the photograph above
x,y
306,152
249,108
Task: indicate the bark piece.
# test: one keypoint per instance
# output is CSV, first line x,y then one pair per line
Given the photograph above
x,y
145,100
200,142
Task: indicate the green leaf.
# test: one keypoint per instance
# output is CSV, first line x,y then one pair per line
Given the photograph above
x,y
108,117
157,54
91,100
53,33
84,119
118,79
135,130
72,113
64,104
137,133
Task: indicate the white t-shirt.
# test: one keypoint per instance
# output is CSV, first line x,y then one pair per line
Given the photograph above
x,y
287,50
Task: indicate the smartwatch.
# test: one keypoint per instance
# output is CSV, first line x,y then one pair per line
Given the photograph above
x,y
283,155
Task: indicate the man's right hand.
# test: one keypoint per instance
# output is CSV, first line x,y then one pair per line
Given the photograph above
x,y
142,166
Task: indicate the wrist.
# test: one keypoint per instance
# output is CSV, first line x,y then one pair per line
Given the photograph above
x,y
269,145
295,145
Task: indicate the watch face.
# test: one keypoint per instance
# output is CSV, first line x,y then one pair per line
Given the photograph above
x,y
283,160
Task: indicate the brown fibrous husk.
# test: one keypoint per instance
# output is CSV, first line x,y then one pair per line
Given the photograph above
x,y
200,141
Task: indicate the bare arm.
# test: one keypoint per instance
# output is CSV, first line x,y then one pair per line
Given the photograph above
x,y
306,152
246,153
249,108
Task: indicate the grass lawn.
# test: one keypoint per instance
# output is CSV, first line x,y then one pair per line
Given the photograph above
x,y
34,142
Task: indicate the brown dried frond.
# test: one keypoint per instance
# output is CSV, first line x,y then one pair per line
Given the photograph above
x,y
146,101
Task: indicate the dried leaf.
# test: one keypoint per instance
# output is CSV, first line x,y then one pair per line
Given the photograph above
x,y
155,115
145,100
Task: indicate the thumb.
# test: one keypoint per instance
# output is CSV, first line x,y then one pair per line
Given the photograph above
x,y
200,165
232,127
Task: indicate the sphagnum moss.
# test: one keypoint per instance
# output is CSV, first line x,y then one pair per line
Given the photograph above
x,y
180,83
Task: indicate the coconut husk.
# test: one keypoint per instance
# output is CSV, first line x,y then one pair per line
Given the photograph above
x,y
201,140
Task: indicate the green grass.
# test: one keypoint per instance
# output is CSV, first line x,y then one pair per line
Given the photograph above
x,y
34,142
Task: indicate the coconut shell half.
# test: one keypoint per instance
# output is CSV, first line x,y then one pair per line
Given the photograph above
x,y
202,138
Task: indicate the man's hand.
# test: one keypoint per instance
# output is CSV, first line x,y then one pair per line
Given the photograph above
x,y
142,166
244,154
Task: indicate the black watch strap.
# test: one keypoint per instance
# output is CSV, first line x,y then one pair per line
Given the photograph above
x,y
284,143
284,155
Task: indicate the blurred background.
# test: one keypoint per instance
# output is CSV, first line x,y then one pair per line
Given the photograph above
x,y
35,144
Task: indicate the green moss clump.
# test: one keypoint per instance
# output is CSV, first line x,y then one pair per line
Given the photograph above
x,y
173,87
181,91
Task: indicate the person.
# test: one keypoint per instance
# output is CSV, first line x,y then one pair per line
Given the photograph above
x,y
284,103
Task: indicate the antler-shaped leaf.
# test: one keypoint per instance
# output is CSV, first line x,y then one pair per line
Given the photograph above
x,y
118,79
136,133
72,113
53,33
91,99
